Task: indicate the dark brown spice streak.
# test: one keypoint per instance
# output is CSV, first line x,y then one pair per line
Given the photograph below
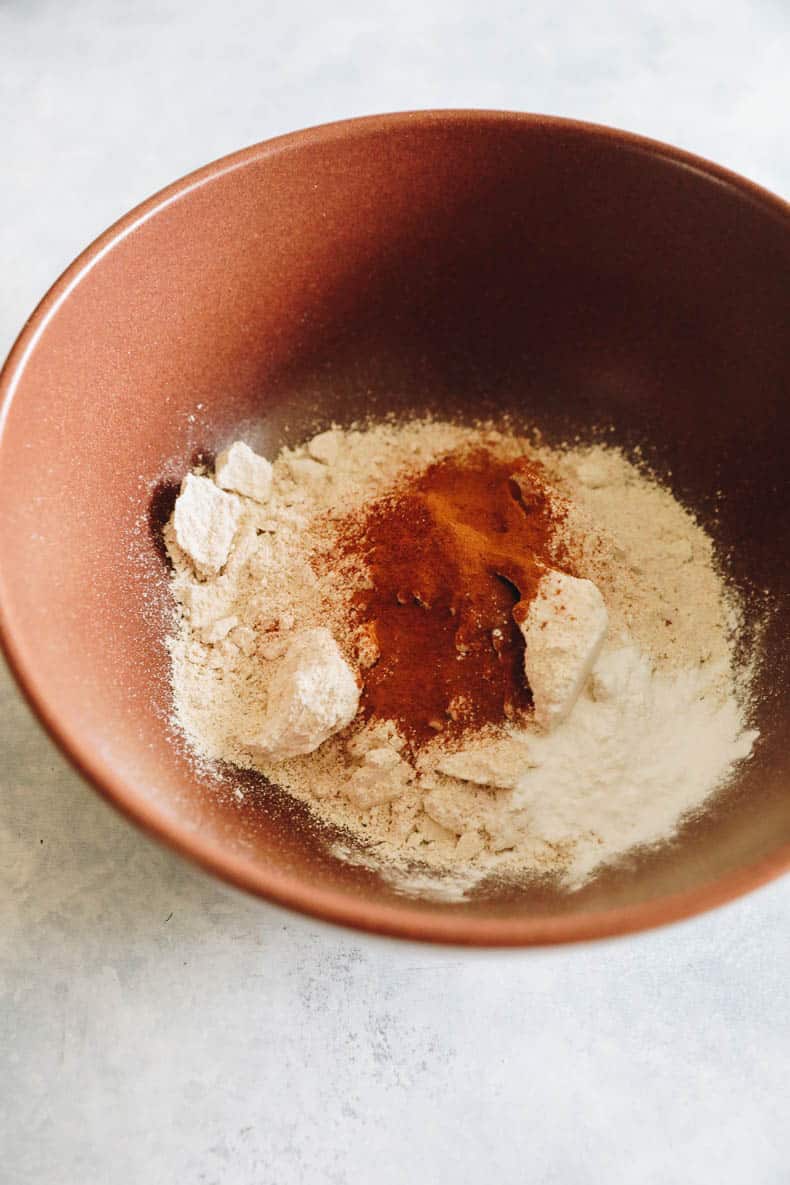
x,y
450,555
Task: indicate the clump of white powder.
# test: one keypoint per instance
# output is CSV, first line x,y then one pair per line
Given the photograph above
x,y
312,695
205,522
564,630
638,733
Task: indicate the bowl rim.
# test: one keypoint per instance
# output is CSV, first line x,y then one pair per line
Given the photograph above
x,y
285,890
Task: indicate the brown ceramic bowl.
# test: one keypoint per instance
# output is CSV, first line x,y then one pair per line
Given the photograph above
x,y
466,262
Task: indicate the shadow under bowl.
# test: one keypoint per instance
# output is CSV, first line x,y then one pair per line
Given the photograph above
x,y
463,263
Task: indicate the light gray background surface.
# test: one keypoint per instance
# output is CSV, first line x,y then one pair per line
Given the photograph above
x,y
156,1027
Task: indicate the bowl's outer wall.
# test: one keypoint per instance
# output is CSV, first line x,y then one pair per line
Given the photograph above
x,y
468,263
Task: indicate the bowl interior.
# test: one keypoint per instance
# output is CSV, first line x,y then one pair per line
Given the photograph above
x,y
466,264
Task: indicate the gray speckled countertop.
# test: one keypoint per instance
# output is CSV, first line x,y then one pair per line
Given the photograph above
x,y
156,1027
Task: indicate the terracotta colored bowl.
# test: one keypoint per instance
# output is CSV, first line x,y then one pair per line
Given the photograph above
x,y
466,262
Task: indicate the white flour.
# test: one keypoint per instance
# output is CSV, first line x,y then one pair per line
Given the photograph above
x,y
658,728
639,752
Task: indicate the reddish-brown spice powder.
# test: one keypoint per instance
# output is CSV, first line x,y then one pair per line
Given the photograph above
x,y
450,554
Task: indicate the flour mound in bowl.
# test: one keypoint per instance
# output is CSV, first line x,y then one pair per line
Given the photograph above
x,y
528,664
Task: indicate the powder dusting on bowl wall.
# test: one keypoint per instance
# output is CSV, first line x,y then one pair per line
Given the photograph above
x,y
459,646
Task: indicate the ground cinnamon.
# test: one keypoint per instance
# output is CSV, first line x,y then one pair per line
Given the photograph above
x,y
450,554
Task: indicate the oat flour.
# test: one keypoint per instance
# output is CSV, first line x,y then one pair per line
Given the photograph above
x,y
657,729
